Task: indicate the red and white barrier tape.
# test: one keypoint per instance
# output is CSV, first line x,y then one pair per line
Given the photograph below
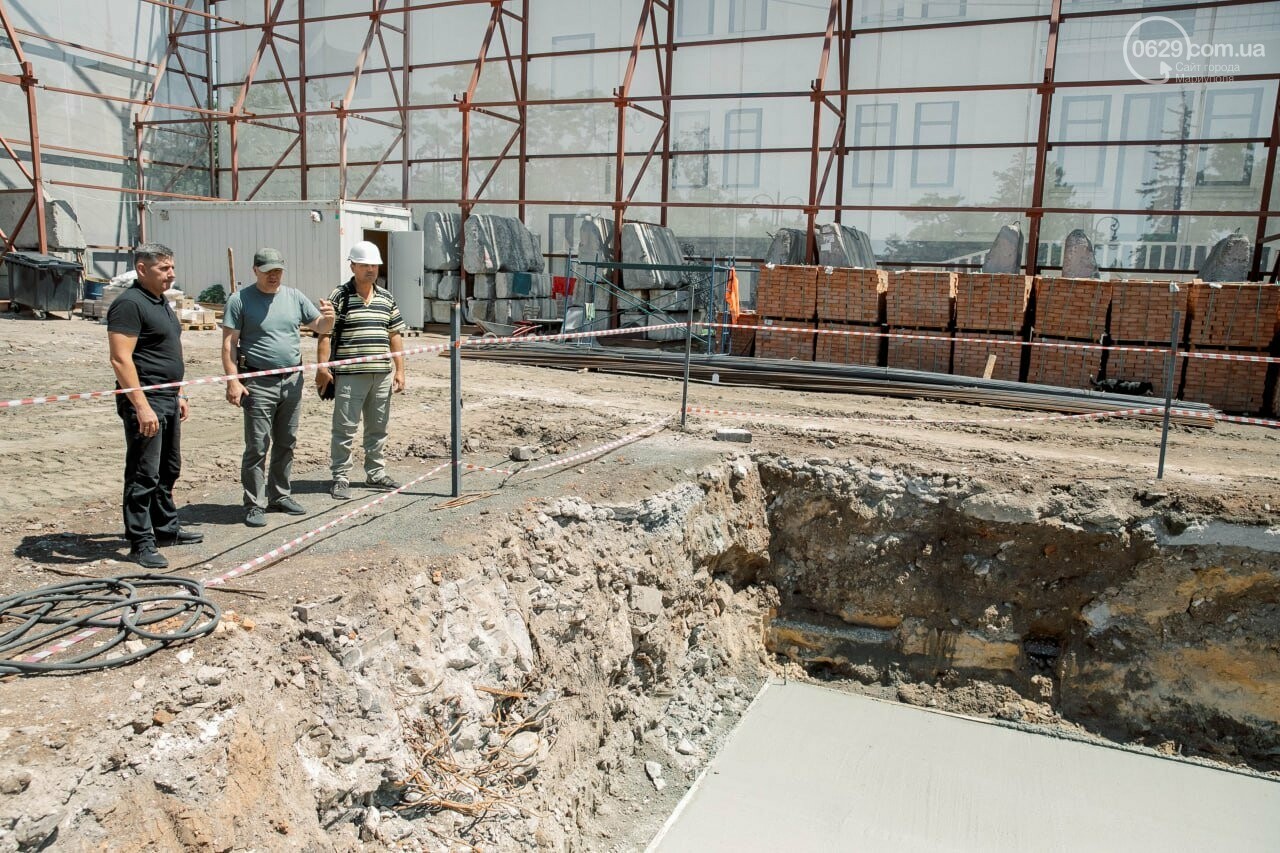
x,y
1235,419
211,380
1223,356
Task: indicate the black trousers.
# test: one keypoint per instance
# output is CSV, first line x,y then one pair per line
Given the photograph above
x,y
151,467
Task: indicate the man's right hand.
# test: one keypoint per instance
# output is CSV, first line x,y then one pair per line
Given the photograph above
x,y
236,392
148,422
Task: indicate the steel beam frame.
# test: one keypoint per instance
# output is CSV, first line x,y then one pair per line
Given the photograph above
x,y
194,25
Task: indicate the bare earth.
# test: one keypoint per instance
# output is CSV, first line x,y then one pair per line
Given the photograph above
x,y
60,519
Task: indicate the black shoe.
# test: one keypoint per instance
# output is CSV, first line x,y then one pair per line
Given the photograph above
x,y
148,557
256,517
287,504
182,537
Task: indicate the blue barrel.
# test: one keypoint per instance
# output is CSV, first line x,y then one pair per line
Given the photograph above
x,y
93,289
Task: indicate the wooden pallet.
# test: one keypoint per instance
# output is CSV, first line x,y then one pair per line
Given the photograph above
x,y
199,327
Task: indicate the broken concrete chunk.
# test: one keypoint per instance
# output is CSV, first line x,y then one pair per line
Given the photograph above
x,y
1005,255
646,599
654,771
210,675
523,453
739,435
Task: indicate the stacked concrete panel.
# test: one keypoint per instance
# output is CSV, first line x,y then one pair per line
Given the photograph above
x,y
1068,311
920,304
1142,316
1232,319
990,307
851,301
643,243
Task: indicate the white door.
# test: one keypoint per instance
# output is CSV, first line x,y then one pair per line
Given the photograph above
x,y
404,275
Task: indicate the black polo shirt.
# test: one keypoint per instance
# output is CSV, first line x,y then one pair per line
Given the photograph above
x,y
158,352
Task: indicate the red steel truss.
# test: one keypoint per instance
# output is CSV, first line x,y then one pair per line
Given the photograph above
x,y
222,109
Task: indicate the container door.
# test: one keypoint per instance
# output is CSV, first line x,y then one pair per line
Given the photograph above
x,y
404,275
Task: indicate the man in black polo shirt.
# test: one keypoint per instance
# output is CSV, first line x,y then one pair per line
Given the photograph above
x,y
145,341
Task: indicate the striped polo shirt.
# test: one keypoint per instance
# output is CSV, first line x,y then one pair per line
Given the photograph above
x,y
366,329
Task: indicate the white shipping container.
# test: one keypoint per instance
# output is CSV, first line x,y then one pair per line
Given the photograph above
x,y
314,236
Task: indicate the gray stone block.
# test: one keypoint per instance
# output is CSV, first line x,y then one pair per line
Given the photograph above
x,y
643,243
1078,260
843,246
448,287
440,240
595,239
787,247
441,310
480,309
739,435
431,283
500,243
1005,255
1228,260
502,285
483,286
667,300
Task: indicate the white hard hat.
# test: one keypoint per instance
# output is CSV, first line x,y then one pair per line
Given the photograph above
x,y
365,252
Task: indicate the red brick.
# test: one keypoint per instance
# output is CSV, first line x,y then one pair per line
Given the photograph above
x,y
849,349
994,302
920,299
788,345
1234,315
851,295
970,358
1235,387
1142,311
912,353
1064,367
787,291
1071,308
1144,367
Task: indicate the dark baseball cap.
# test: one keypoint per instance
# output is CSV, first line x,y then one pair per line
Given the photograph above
x,y
266,260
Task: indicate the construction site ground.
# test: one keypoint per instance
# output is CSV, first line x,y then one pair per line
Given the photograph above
x,y
73,766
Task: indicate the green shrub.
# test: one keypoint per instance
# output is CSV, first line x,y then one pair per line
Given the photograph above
x,y
213,294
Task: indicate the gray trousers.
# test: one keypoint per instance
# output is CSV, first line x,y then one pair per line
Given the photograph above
x,y
356,395
270,423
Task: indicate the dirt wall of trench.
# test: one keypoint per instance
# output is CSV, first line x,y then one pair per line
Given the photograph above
x,y
1077,595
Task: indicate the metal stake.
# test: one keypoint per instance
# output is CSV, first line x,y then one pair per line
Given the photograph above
x,y
1168,384
455,395
688,347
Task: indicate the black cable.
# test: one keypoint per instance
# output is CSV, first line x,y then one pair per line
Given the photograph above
x,y
154,609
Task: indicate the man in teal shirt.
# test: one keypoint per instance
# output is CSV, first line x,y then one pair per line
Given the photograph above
x,y
260,332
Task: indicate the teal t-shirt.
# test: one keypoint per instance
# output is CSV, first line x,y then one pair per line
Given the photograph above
x,y
268,325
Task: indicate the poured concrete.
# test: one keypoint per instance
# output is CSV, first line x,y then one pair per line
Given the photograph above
x,y
814,769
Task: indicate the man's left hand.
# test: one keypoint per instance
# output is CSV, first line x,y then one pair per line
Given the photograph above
x,y
397,383
326,310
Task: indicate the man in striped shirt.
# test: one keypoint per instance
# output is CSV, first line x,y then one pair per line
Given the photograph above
x,y
369,325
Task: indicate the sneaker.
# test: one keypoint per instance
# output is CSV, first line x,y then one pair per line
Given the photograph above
x,y
382,481
182,537
287,504
341,490
256,517
148,557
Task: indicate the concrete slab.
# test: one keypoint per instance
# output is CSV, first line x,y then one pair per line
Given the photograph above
x,y
815,769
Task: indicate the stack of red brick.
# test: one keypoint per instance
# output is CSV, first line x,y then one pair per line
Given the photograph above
x,y
919,306
1243,319
1142,316
990,306
850,306
1070,311
786,296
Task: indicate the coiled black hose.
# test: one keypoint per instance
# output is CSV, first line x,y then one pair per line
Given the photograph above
x,y
38,629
